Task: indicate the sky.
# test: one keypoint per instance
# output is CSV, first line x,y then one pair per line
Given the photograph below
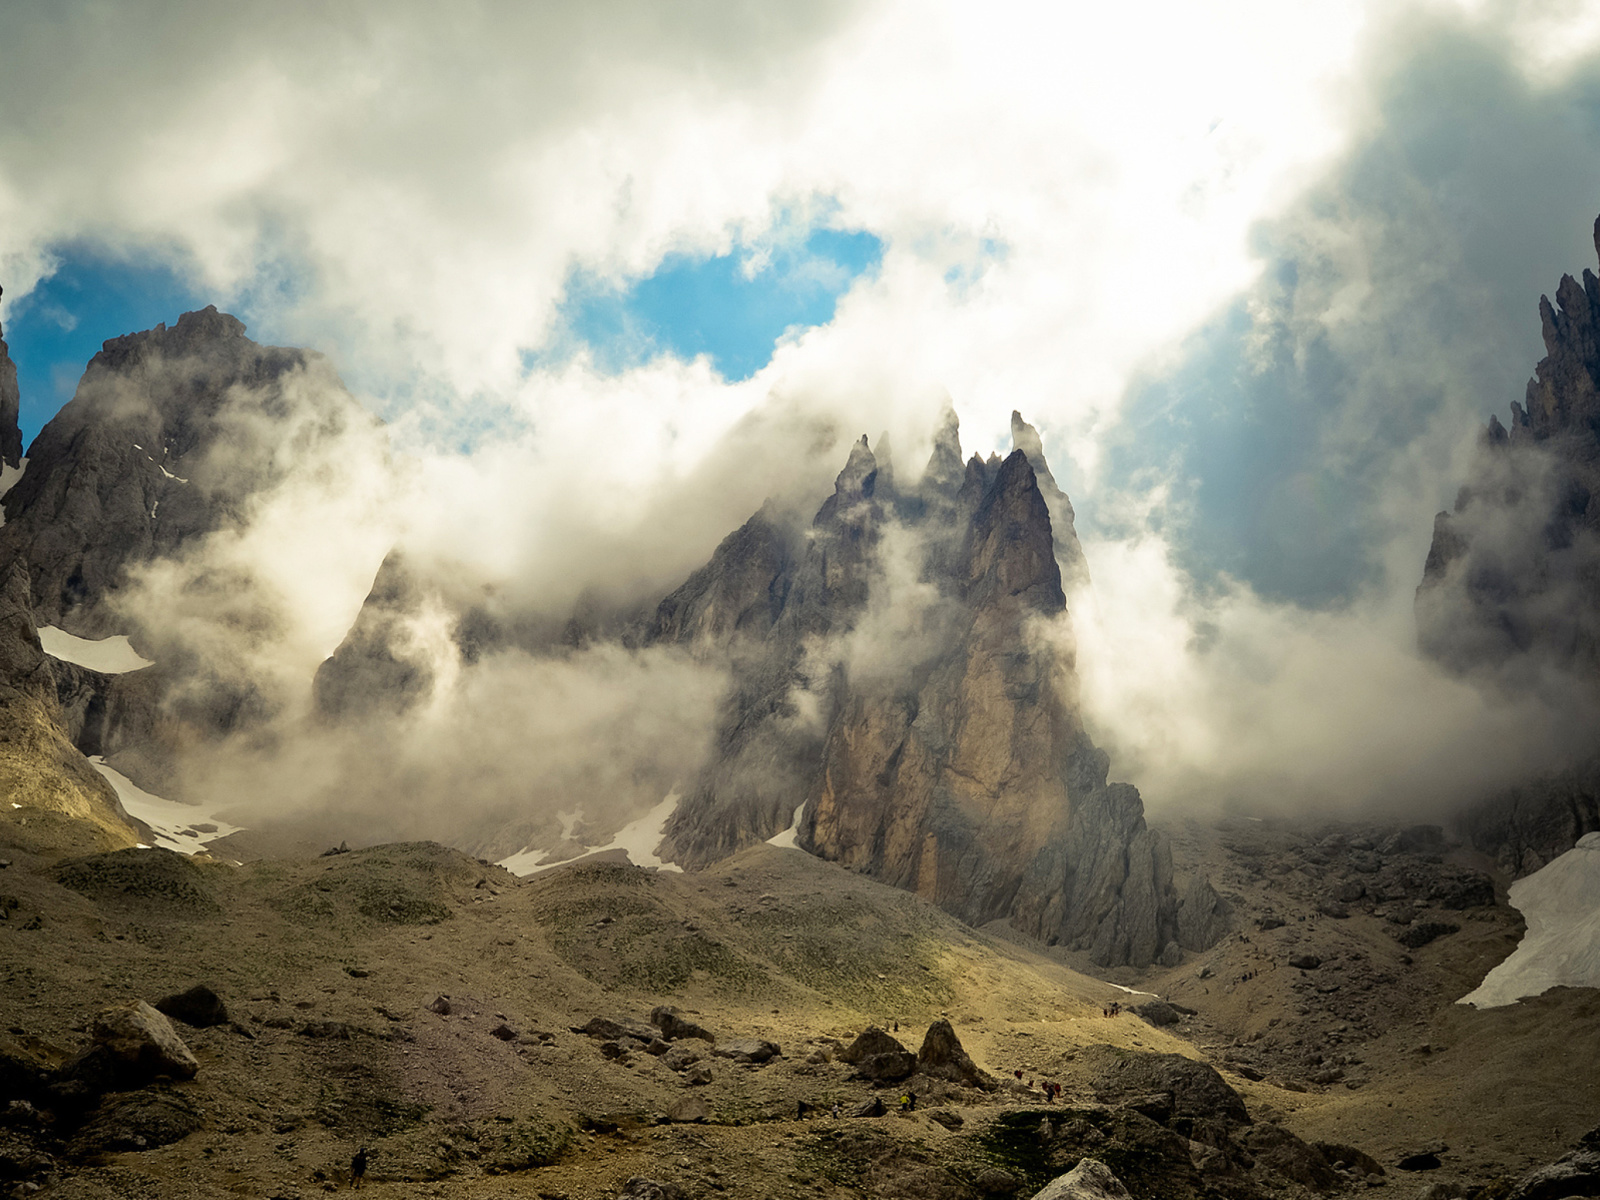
x,y
1258,273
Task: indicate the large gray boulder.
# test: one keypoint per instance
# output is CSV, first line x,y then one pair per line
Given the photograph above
x,y
142,1041
1089,1180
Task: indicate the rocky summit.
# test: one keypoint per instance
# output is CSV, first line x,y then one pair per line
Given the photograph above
x,y
904,697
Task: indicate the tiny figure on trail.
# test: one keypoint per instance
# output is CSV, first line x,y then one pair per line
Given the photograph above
x,y
835,1110
358,1167
1049,1092
908,1102
1018,1074
897,1026
800,1107
1116,1007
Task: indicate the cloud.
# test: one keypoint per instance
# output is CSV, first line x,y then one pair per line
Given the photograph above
x,y
1255,270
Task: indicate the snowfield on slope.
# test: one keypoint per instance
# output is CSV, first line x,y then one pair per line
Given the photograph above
x,y
639,838
109,656
1561,904
174,824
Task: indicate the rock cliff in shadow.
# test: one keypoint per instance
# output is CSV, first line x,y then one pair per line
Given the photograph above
x,y
1510,590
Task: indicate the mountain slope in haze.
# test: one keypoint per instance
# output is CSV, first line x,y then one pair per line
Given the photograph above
x,y
171,437
1510,591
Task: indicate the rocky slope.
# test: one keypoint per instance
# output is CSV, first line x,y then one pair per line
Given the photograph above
x,y
1511,588
57,797
601,1023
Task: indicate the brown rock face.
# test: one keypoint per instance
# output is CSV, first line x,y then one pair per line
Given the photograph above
x,y
904,693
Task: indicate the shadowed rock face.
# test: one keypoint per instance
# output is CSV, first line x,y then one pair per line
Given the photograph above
x,y
1512,578
906,684
375,668
1511,586
10,407
170,433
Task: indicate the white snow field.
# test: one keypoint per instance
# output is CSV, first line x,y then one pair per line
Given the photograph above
x,y
109,656
638,838
1561,904
173,823
786,838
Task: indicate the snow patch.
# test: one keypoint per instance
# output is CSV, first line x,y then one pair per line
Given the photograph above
x,y
109,656
1561,904
786,839
173,823
168,473
638,838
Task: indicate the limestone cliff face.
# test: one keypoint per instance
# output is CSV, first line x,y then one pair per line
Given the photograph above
x,y
1512,578
912,705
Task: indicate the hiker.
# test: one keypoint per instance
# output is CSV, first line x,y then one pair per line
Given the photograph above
x,y
897,1026
1049,1092
800,1107
358,1167
835,1110
908,1102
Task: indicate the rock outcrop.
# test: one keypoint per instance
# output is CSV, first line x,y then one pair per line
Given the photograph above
x,y
10,407
904,694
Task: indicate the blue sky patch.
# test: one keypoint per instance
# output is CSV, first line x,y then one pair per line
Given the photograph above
x,y
57,328
733,307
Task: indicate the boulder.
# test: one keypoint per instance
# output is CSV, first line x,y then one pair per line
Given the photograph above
x,y
687,1109
1576,1174
750,1050
872,1041
440,1005
1089,1180
943,1057
674,1026
605,1029
199,1007
698,1076
1197,1090
1348,1157
504,1032
1157,1012
872,1107
887,1068
680,1058
1285,1154
1305,962
143,1043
